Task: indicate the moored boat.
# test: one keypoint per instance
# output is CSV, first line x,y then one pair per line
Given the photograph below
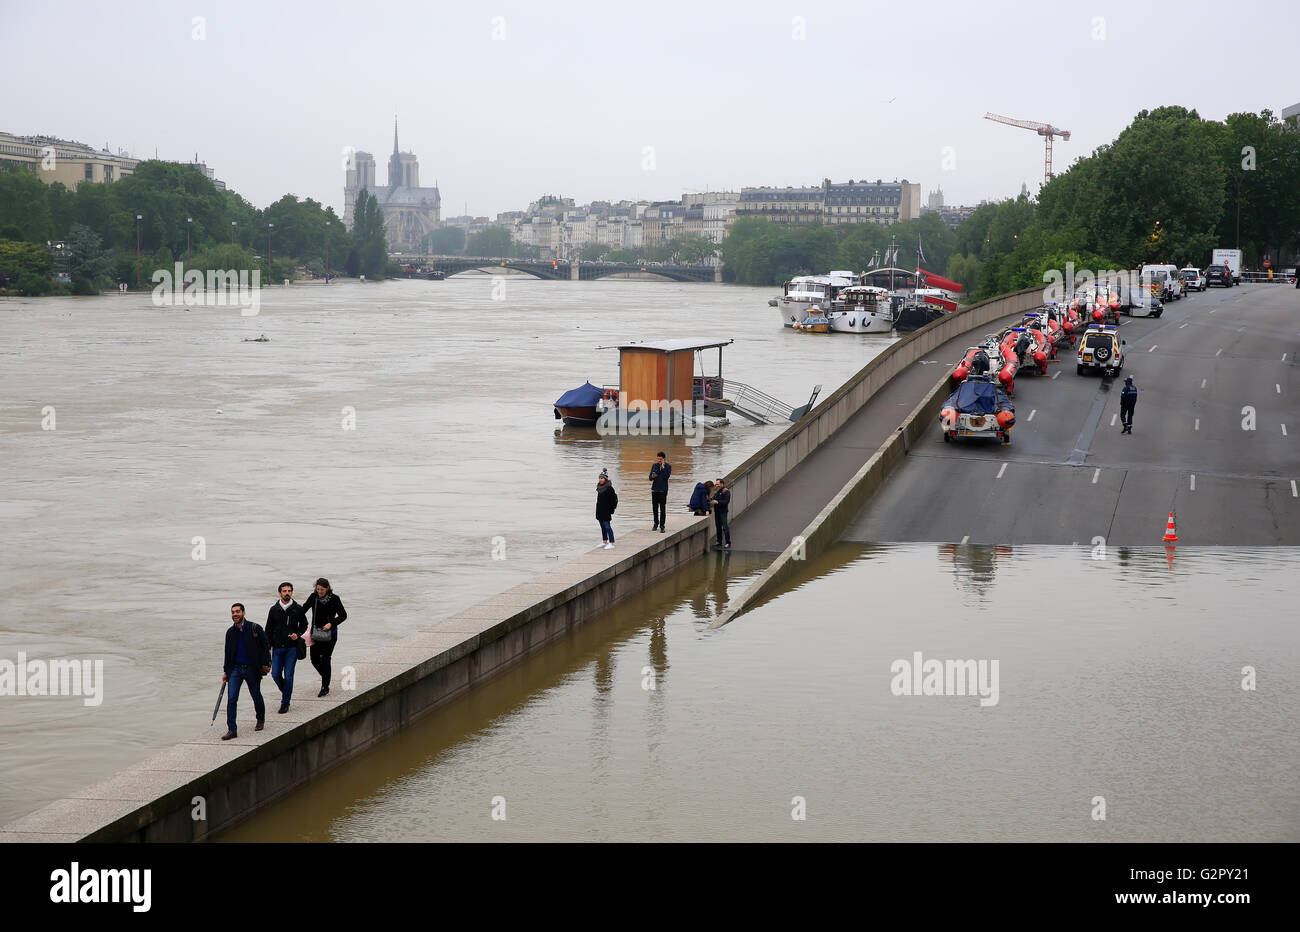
x,y
581,406
861,309
804,292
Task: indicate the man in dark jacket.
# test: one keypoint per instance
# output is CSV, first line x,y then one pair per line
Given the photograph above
x,y
1128,399
659,474
721,502
606,503
248,659
286,623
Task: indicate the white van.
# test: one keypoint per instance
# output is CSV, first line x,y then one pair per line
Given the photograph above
x,y
1175,286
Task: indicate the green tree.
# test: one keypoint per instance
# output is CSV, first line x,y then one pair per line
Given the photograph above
x,y
446,241
368,239
24,205
89,263
493,242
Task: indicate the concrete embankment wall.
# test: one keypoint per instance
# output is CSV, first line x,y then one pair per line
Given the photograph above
x,y
771,464
157,800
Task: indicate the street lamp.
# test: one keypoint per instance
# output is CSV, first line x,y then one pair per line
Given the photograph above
x,y
269,257
138,218
232,232
189,223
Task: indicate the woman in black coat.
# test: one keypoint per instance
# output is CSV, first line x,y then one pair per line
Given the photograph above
x,y
606,503
327,613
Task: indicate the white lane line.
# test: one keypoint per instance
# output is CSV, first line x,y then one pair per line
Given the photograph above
x,y
1153,347
1113,418
1213,309
1193,482
966,538
1002,470
1197,425
1241,329
1202,383
1284,357
1058,371
1219,352
1294,492
1096,473
1031,415
1278,386
1283,430
1181,326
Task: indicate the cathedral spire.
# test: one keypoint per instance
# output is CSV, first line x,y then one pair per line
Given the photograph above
x,y
394,134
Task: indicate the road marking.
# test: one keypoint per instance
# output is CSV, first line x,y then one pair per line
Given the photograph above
x,y
1031,415
1283,430
1096,473
1058,371
1153,347
1294,493
967,537
1284,357
1002,470
1278,386
1241,329
1181,326
1202,383
1193,482
1197,425
1219,352
1113,418
1213,309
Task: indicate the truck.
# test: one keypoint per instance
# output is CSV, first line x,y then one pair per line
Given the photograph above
x,y
1231,258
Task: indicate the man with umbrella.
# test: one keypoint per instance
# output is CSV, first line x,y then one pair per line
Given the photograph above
x,y
248,659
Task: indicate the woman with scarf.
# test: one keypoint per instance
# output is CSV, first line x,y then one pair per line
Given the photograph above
x,y
606,503
327,613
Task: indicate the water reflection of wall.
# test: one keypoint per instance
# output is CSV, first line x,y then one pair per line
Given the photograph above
x,y
629,458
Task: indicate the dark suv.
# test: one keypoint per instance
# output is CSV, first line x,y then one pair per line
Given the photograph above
x,y
1218,275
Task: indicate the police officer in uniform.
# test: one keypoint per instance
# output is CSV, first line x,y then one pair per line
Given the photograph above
x,y
1128,399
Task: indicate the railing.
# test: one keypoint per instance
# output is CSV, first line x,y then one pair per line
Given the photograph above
x,y
749,398
1278,278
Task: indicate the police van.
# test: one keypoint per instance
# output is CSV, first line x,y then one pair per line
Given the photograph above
x,y
1100,349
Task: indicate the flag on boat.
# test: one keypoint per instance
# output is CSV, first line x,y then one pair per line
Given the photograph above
x,y
920,253
937,281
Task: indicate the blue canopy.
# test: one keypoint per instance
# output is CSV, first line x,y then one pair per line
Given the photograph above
x,y
584,396
973,397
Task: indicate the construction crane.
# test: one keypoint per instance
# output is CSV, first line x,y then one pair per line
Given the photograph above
x,y
1046,130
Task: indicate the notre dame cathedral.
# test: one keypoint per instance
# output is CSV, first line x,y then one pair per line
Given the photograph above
x,y
410,212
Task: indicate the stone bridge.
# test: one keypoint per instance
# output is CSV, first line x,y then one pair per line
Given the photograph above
x,y
557,269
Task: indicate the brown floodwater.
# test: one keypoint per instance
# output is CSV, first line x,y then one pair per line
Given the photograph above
x,y
1131,708
167,427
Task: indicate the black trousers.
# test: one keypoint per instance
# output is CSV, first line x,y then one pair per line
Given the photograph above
x,y
723,527
1126,415
659,502
320,659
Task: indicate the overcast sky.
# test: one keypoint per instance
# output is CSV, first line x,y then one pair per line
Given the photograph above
x,y
570,96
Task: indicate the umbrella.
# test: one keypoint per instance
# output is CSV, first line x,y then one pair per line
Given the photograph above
x,y
216,708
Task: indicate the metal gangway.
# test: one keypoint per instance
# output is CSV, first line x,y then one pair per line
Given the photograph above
x,y
727,395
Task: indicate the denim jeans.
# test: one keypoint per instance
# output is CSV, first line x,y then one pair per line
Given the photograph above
x,y
607,531
723,526
283,660
241,674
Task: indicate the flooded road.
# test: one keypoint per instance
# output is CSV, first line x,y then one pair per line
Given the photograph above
x,y
156,468
1119,714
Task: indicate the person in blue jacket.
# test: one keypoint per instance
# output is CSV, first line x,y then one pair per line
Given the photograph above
x,y
659,474
699,503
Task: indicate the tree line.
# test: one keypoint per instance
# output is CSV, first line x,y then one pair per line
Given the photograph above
x,y
1169,189
170,213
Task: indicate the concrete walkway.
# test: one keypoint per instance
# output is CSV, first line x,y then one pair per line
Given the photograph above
x,y
770,523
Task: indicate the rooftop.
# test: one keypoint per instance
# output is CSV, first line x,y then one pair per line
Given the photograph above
x,y
670,346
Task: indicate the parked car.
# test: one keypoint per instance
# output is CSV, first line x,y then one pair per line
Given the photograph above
x,y
1218,275
1138,301
1101,348
1193,279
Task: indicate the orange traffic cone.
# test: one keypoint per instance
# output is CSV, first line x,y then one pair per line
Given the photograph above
x,y
1171,534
